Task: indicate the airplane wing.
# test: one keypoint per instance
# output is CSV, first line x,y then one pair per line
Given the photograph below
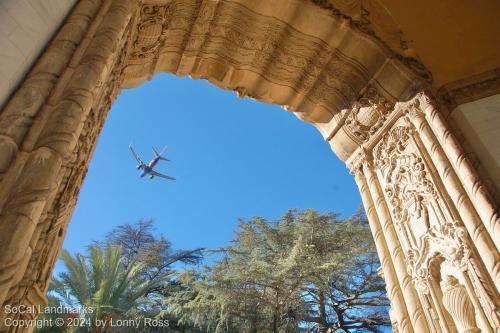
x,y
135,155
157,174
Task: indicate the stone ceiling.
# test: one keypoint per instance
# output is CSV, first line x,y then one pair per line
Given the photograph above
x,y
455,40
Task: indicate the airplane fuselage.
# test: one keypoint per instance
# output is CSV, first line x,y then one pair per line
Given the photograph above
x,y
146,169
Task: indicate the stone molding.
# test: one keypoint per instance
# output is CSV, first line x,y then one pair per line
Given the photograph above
x,y
277,60
371,18
471,89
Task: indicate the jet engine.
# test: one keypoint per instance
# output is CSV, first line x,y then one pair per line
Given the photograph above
x,y
151,177
138,166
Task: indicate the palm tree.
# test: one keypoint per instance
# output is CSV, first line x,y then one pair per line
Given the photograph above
x,y
104,286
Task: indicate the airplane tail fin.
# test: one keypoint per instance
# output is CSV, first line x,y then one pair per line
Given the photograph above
x,y
160,154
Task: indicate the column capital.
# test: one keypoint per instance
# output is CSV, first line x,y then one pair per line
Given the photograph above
x,y
416,107
359,161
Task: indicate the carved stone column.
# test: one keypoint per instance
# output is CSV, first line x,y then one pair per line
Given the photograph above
x,y
484,229
457,303
395,251
454,157
34,193
425,212
399,312
19,114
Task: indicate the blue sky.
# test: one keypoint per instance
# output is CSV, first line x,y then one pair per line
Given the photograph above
x,y
232,158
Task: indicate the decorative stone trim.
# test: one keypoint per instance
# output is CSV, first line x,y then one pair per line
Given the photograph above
x,y
472,89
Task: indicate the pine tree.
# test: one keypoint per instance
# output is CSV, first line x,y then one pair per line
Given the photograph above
x,y
306,272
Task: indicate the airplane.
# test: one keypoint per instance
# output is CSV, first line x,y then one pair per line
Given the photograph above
x,y
147,169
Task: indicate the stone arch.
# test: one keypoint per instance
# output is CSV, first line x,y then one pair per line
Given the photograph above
x,y
317,62
268,52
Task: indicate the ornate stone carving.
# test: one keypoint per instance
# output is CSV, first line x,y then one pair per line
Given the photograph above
x,y
53,226
417,209
408,187
35,196
475,209
367,115
457,303
151,30
22,109
371,18
200,38
428,226
447,240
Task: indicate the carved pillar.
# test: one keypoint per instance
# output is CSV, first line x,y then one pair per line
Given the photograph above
x,y
477,194
425,212
45,167
49,234
482,300
483,270
411,299
21,110
457,303
399,312
420,116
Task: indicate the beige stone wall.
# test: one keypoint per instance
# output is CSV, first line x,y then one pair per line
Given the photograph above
x,y
479,121
26,26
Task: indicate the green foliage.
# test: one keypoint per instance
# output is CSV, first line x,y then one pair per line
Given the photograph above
x,y
307,272
125,277
99,282
139,244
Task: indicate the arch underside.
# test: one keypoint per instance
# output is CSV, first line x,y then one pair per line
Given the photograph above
x,y
316,61
291,53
